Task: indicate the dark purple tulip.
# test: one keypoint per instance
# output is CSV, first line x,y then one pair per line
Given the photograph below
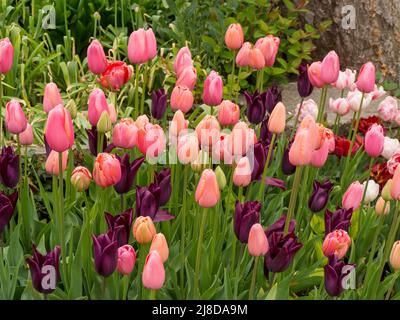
x,y
260,156
304,86
36,265
147,203
334,273
158,103
46,147
282,247
105,251
246,214
265,134
128,173
272,96
274,182
162,179
92,138
120,224
7,208
256,106
320,195
9,167
340,219
287,168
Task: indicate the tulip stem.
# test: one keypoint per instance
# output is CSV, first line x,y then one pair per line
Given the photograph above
x,y
152,295
352,121
136,109
296,121
196,294
371,162
264,175
143,89
293,197
253,278
61,217
233,73
183,226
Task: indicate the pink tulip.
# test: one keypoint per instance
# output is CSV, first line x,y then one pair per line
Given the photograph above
x,y
142,121
345,80
277,120
339,106
314,74
59,129
81,178
142,46
269,47
228,113
308,123
26,137
159,244
188,148
353,196
52,164
234,37
320,155
187,78
300,153
243,56
126,259
181,99
107,170
366,78
15,118
395,187
256,59
330,68
388,109
97,61
151,140
183,60
51,97
242,173
6,55
125,134
208,131
97,103
177,126
336,243
207,192
153,275
258,243
213,89
240,139
374,140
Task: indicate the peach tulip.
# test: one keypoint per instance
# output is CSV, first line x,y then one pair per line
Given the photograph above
x,y
107,170
159,244
242,173
51,97
395,185
52,162
269,47
188,148
207,192
336,243
256,59
187,78
228,113
208,131
277,120
243,56
143,229
181,99
234,37
125,134
300,153
314,74
81,178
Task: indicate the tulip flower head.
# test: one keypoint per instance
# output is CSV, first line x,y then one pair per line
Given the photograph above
x,y
395,256
151,140
153,276
115,75
125,134
388,109
52,164
107,170
128,173
277,120
158,103
120,225
6,55
330,68
336,243
97,61
228,113
51,97
59,129
366,78
80,178
395,185
374,141
159,244
183,60
382,207
213,89
105,252
126,259
269,47
338,220
8,204
353,196
304,86
187,78
181,99
242,173
320,196
234,37
246,215
26,137
314,74
207,191
258,242
334,274
142,46
243,56
143,229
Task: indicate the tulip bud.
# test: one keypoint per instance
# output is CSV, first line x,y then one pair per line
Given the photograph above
x,y
258,243
51,97
71,107
15,118
159,244
52,165
382,207
207,191
26,137
107,170
6,55
366,78
395,256
213,89
80,178
59,129
242,173
374,140
104,124
386,194
221,178
228,113
183,60
300,152
304,86
269,47
277,120
143,229
126,259
97,61
330,68
153,275
181,99
243,56
314,74
336,243
353,196
234,36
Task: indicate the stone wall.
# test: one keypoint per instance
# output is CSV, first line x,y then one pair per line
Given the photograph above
x,y
376,33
